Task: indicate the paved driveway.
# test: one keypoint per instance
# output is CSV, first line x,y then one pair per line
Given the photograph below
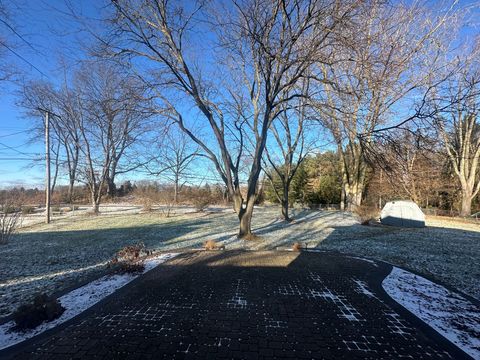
x,y
247,305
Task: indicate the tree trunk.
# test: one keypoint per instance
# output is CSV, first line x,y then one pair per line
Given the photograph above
x,y
70,190
175,190
111,187
466,209
237,202
285,204
285,211
95,206
95,200
353,195
245,217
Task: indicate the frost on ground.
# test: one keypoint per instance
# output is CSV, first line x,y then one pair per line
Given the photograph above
x,y
53,257
78,301
450,314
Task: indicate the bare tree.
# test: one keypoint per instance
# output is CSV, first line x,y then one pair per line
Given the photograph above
x,y
459,129
286,153
39,96
390,58
275,43
412,164
176,157
8,30
111,119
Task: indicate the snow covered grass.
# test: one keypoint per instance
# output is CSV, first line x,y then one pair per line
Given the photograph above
x,y
78,301
53,257
453,316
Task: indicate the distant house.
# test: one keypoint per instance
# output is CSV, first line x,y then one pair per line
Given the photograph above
x,y
402,213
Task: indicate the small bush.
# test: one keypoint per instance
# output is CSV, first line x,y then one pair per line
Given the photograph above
x,y
28,210
210,245
131,252
129,259
130,268
297,247
43,308
10,221
366,213
9,209
147,204
201,200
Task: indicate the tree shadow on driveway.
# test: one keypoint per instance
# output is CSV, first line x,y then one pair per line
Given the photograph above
x,y
243,304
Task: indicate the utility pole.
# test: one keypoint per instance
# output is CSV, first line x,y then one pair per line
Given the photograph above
x,y
47,159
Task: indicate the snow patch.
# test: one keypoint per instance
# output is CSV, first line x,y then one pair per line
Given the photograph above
x,y
450,314
77,301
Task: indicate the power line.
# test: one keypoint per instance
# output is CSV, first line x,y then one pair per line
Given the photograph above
x,y
15,133
18,34
22,58
15,159
15,150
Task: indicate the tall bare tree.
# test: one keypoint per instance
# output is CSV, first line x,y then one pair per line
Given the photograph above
x,y
8,32
390,58
286,153
111,120
274,43
459,129
412,164
175,156
39,96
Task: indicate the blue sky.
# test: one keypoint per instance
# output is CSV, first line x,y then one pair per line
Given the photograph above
x,y
53,36
40,24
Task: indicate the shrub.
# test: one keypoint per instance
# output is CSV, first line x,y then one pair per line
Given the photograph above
x,y
366,213
201,199
166,199
28,210
43,308
9,222
130,252
147,204
8,208
297,246
129,259
130,268
212,245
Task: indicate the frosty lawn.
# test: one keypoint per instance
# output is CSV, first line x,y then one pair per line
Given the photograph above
x,y
54,257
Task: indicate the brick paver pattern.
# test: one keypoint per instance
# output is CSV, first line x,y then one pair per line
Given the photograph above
x,y
248,305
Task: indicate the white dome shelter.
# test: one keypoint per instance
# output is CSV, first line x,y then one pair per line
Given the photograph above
x,y
402,213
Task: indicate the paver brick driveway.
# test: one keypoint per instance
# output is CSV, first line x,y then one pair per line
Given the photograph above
x,y
248,305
